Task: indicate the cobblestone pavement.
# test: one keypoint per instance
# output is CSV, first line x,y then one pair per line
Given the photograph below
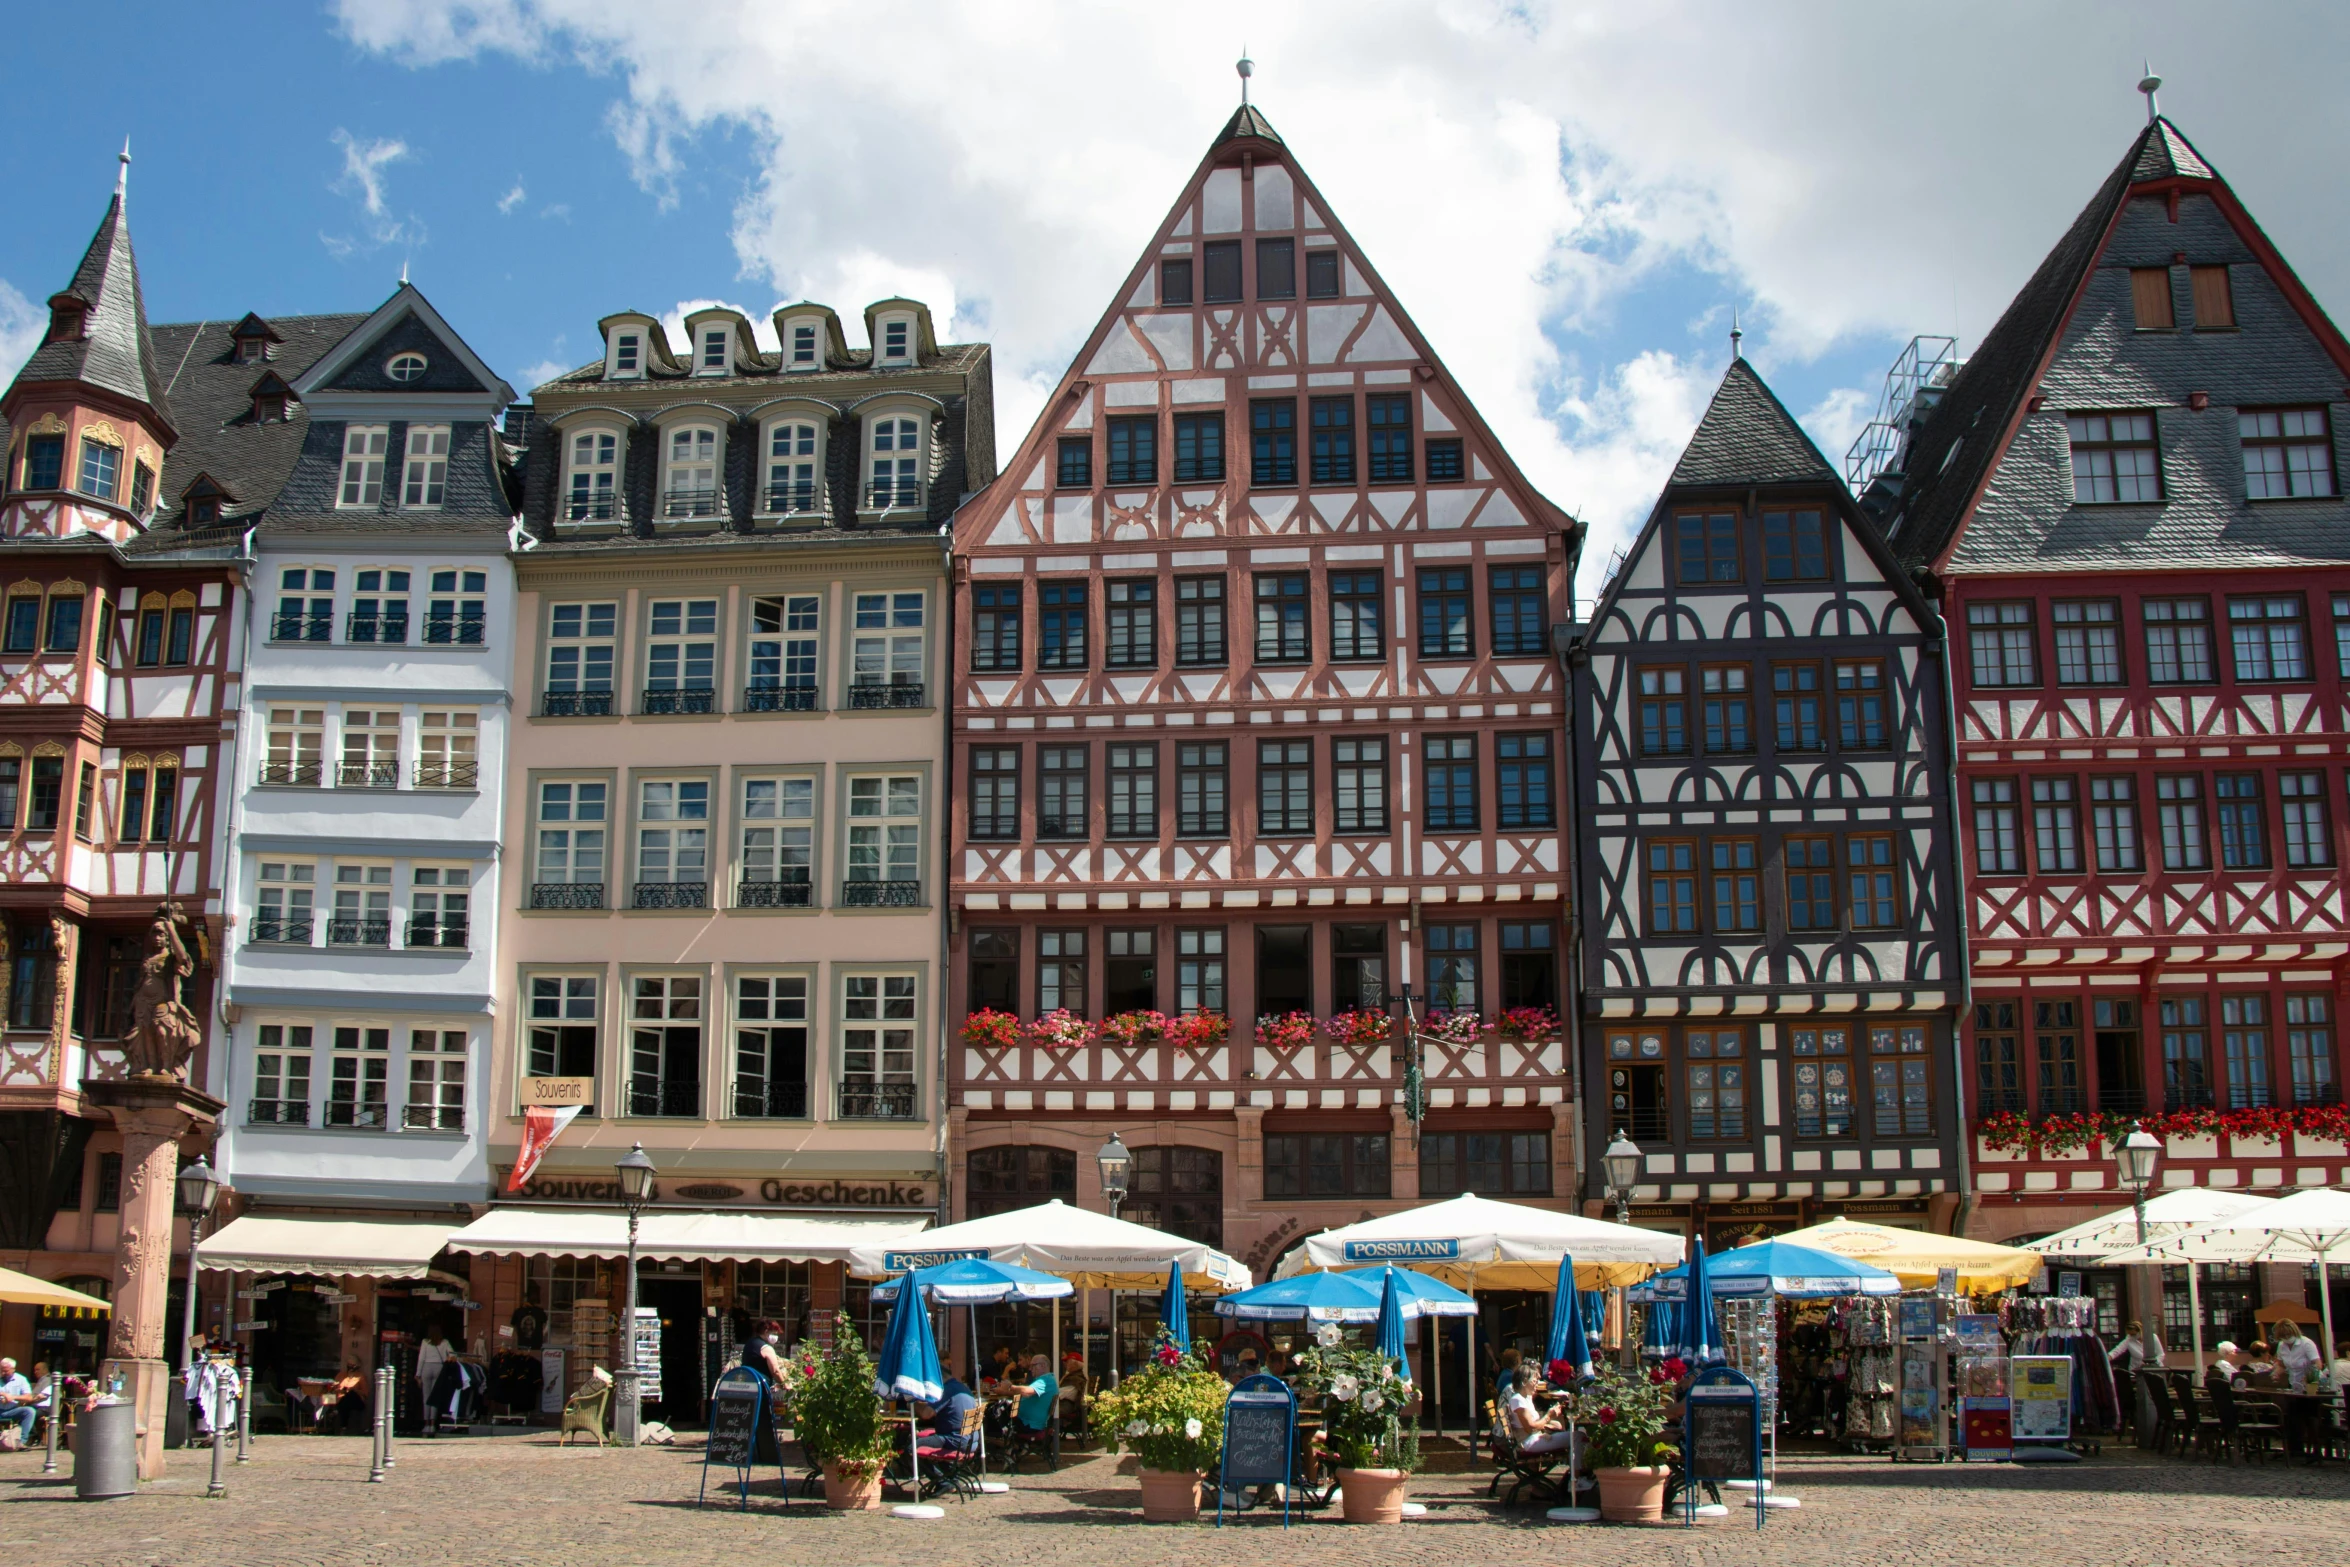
x,y
489,1502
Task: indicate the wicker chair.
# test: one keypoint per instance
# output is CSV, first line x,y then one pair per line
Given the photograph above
x,y
587,1411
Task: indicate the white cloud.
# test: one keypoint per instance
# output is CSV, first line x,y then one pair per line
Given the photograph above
x,y
364,163
512,199
541,373
21,327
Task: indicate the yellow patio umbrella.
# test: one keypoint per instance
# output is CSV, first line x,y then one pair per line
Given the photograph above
x,y
1917,1256
22,1289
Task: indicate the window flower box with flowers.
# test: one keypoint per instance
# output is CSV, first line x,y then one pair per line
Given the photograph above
x,y
1199,1030
1132,1030
1360,1028
988,1029
1060,1029
1452,1028
1526,1024
2057,1136
1286,1031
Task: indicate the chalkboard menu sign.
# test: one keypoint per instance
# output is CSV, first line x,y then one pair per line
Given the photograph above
x,y
738,1406
1722,1433
1260,1428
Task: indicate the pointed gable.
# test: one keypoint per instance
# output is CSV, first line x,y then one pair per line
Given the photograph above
x,y
1748,437
405,324
98,324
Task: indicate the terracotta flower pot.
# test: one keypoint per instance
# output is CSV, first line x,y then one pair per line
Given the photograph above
x,y
851,1492
1632,1495
1371,1495
1170,1495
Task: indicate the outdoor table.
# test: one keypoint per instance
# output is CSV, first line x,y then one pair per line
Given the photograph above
x,y
2303,1414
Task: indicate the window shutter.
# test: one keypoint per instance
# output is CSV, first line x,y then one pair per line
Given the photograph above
x,y
2150,294
2215,305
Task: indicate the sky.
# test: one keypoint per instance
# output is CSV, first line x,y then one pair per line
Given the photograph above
x,y
1571,199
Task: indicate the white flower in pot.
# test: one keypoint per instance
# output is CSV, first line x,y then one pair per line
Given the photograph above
x,y
1344,1388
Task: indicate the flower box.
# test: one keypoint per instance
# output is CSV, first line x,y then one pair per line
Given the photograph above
x,y
988,1029
1286,1031
1359,1028
1060,1029
1199,1030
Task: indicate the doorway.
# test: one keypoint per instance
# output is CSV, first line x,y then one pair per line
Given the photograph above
x,y
678,1297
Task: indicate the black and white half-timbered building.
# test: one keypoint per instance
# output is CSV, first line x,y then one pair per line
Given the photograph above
x,y
1769,954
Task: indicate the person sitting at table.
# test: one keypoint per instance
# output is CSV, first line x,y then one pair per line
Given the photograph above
x,y
945,1425
2338,1369
2223,1365
16,1402
999,1367
1038,1394
1508,1363
1533,1431
2296,1353
2259,1369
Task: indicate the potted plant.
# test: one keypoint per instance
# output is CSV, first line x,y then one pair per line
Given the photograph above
x,y
1199,1030
1286,1031
1170,1415
989,1029
1626,1439
1060,1029
1358,1028
1133,1030
1364,1433
1526,1024
837,1416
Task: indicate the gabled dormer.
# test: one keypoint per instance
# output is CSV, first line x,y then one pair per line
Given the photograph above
x,y
204,502
899,330
635,346
250,339
721,343
272,396
810,338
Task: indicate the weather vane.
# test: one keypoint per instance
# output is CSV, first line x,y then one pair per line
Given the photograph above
x,y
1247,68
2149,84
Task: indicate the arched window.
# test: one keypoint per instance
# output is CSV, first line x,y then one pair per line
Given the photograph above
x,y
593,482
998,1180
690,486
795,468
1179,1190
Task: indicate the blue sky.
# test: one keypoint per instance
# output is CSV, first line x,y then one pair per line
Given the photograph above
x,y
1570,198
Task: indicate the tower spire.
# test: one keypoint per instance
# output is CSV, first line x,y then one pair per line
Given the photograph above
x,y
1247,68
122,175
2150,84
1736,336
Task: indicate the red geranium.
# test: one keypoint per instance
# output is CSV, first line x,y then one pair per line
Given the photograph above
x,y
1167,1354
1676,1368
1657,1375
1607,1414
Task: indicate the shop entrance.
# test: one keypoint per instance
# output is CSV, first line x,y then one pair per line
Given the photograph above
x,y
678,1297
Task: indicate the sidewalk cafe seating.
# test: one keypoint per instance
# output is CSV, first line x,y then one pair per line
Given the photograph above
x,y
1021,1440
953,1469
2169,1431
1526,1471
2245,1425
587,1411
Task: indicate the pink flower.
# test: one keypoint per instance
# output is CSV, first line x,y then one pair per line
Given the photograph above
x,y
1169,1355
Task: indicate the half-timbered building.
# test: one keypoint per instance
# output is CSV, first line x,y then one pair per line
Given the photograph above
x,y
1256,717
1769,954
2129,503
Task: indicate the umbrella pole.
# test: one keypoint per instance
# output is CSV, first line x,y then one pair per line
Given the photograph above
x,y
1469,1369
972,1313
1435,1327
2195,1316
2325,1309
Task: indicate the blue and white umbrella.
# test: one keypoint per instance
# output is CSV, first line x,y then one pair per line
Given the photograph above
x,y
1781,1268
977,1281
1420,1294
1701,1337
909,1365
1313,1297
1391,1344
1567,1342
1174,1310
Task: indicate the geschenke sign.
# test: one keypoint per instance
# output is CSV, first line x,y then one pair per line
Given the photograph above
x,y
1403,1251
772,1191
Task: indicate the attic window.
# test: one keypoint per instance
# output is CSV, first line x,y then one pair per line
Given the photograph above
x,y
252,350
893,340
624,354
714,351
203,511
65,319
803,346
405,367
269,405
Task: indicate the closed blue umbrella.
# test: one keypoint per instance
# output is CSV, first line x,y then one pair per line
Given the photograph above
x,y
1174,1311
909,1365
1567,1342
1391,1344
1698,1332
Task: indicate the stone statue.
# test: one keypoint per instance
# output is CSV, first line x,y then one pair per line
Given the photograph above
x,y
163,1032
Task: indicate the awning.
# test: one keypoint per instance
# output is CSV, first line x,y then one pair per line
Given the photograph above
x,y
327,1248
22,1289
678,1237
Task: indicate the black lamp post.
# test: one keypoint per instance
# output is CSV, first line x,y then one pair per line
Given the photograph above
x,y
197,1190
1621,1163
636,1187
1115,1164
2134,1161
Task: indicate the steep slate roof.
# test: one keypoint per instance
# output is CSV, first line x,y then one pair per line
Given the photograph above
x,y
854,364
1748,437
1249,120
115,351
214,394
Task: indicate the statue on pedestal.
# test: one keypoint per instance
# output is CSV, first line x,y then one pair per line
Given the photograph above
x,y
164,1033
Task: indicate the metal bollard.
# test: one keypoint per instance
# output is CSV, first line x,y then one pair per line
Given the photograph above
x,y
375,1433
217,1487
56,1408
244,1415
391,1378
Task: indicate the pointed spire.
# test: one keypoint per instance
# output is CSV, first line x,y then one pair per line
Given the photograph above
x,y
1748,437
1735,336
1247,68
2150,84
403,271
122,176
98,333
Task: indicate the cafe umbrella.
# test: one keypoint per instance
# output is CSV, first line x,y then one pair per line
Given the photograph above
x,y
1567,1342
1174,1310
1391,1344
909,1367
1312,1297
971,1282
2310,1226
1773,1267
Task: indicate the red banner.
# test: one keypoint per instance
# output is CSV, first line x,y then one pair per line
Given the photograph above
x,y
541,1125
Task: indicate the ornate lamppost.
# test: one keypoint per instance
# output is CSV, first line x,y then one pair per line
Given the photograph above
x,y
1621,1163
636,1188
1115,1163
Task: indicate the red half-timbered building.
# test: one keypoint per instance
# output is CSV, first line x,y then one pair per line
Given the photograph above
x,y
2129,502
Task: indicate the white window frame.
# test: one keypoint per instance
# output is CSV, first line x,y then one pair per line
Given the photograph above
x,y
448,748
295,1042
571,826
762,1002
635,335
788,344
559,998
437,1094
380,595
658,1005
714,334
882,832
786,658
365,447
369,757
870,1000
285,892
679,502
810,432
603,473
424,472
671,819
890,425
368,1048
297,746
907,351
363,891
681,645
440,901
777,818
598,623
886,651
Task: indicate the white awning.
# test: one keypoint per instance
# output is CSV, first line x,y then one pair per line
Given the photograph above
x,y
328,1248
678,1237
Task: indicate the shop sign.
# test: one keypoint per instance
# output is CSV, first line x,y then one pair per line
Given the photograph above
x,y
251,1327
557,1092
1403,1251
336,1297
773,1191
900,1261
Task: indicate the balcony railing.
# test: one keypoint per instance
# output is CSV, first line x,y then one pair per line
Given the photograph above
x,y
881,895
793,498
657,702
448,775
285,930
869,694
2121,1099
2063,1101
1999,1101
2317,1093
358,932
591,508
669,895
1060,826
1651,1125
777,1101
301,628
780,699
426,931
299,775
772,895
376,628
876,1102
896,495
433,1118
367,775
453,630
278,1112
567,895
671,1098
360,1117
2187,1096
575,704
689,503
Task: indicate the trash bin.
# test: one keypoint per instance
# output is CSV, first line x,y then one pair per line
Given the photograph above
x,y
106,1452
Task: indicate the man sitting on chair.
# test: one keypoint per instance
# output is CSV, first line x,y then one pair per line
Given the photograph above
x,y
945,1426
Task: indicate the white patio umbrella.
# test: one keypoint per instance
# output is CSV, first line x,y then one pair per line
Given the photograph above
x,y
2309,1226
2185,1208
1476,1243
1090,1250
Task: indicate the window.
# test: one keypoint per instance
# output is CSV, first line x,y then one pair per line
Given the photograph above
x,y
1450,771
1134,451
297,746
1130,976
1322,276
1497,1164
2301,800
1283,635
1445,462
2113,815
163,802
1999,1083
995,627
1529,966
626,349
1358,956
1795,547
1445,614
1199,621
436,1080
425,475
1357,618
1360,796
2056,1046
803,348
142,487
2309,1049
1672,886
1073,462
2243,1022
2150,301
439,906
1060,792
713,351
1514,601
358,1093
595,475
897,464
1199,971
131,813
580,643
570,854
284,910
1199,448
2056,826
1175,281
1452,967
302,618
1060,971
690,484
22,633
2088,642
771,1046
1200,789
1823,1081
46,796
1131,624
11,784
85,803
1998,851
1134,791
2341,608
564,1014
1737,885
1060,625
1285,787
1899,1081
44,462
794,473
1860,705
379,606
2243,836
1273,441
1714,1060
371,748
896,341
363,464
877,1047
281,1075
886,652
1389,416
994,970
2179,805
1334,439
2186,1068
1276,269
783,655
681,655
777,863
2114,459
363,907
665,1045
405,367
1522,781
1999,640
2178,641
1728,724
672,844
1811,884
1795,696
1326,1165
1706,547
1001,1180
2288,452
101,469
1180,1190
2268,637
1221,271
1285,981
455,607
885,842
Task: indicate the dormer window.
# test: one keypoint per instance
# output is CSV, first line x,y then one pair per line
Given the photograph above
x,y
627,353
363,464
405,367
270,395
66,315
714,344
803,348
252,350
691,486
896,471
252,337
203,512
896,338
794,461
594,480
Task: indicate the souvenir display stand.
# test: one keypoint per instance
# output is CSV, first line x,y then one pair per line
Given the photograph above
x,y
1922,1415
2063,1328
1866,1330
1986,1432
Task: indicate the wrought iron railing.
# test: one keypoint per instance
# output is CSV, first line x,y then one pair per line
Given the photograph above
x,y
689,503
367,775
302,775
2121,1099
448,775
772,894
2188,1096
777,1101
285,930
869,694
453,630
278,1112
881,895
780,699
433,1118
876,1102
896,495
359,1117
301,628
698,701
669,895
793,498
664,1098
575,704
591,508
358,932
376,628
567,895
424,930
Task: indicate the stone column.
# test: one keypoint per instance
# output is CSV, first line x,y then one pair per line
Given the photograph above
x,y
153,1114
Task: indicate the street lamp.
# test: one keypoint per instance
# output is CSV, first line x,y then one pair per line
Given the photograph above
x,y
198,1190
1621,1163
636,1186
1114,1162
2134,1162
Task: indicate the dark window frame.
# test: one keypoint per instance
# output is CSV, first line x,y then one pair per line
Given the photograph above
x,y
1062,780
1199,448
995,627
1285,788
1332,428
1272,427
1130,617
1448,770
1286,611
1063,625
1447,612
1358,616
1203,789
993,811
1202,606
1073,463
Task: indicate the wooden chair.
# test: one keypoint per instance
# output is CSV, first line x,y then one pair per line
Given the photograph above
x,y
1021,1440
1526,1471
953,1469
586,1411
2167,1426
2251,1425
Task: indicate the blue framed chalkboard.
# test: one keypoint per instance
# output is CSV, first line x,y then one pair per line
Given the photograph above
x,y
738,1408
1721,1435
1260,1439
